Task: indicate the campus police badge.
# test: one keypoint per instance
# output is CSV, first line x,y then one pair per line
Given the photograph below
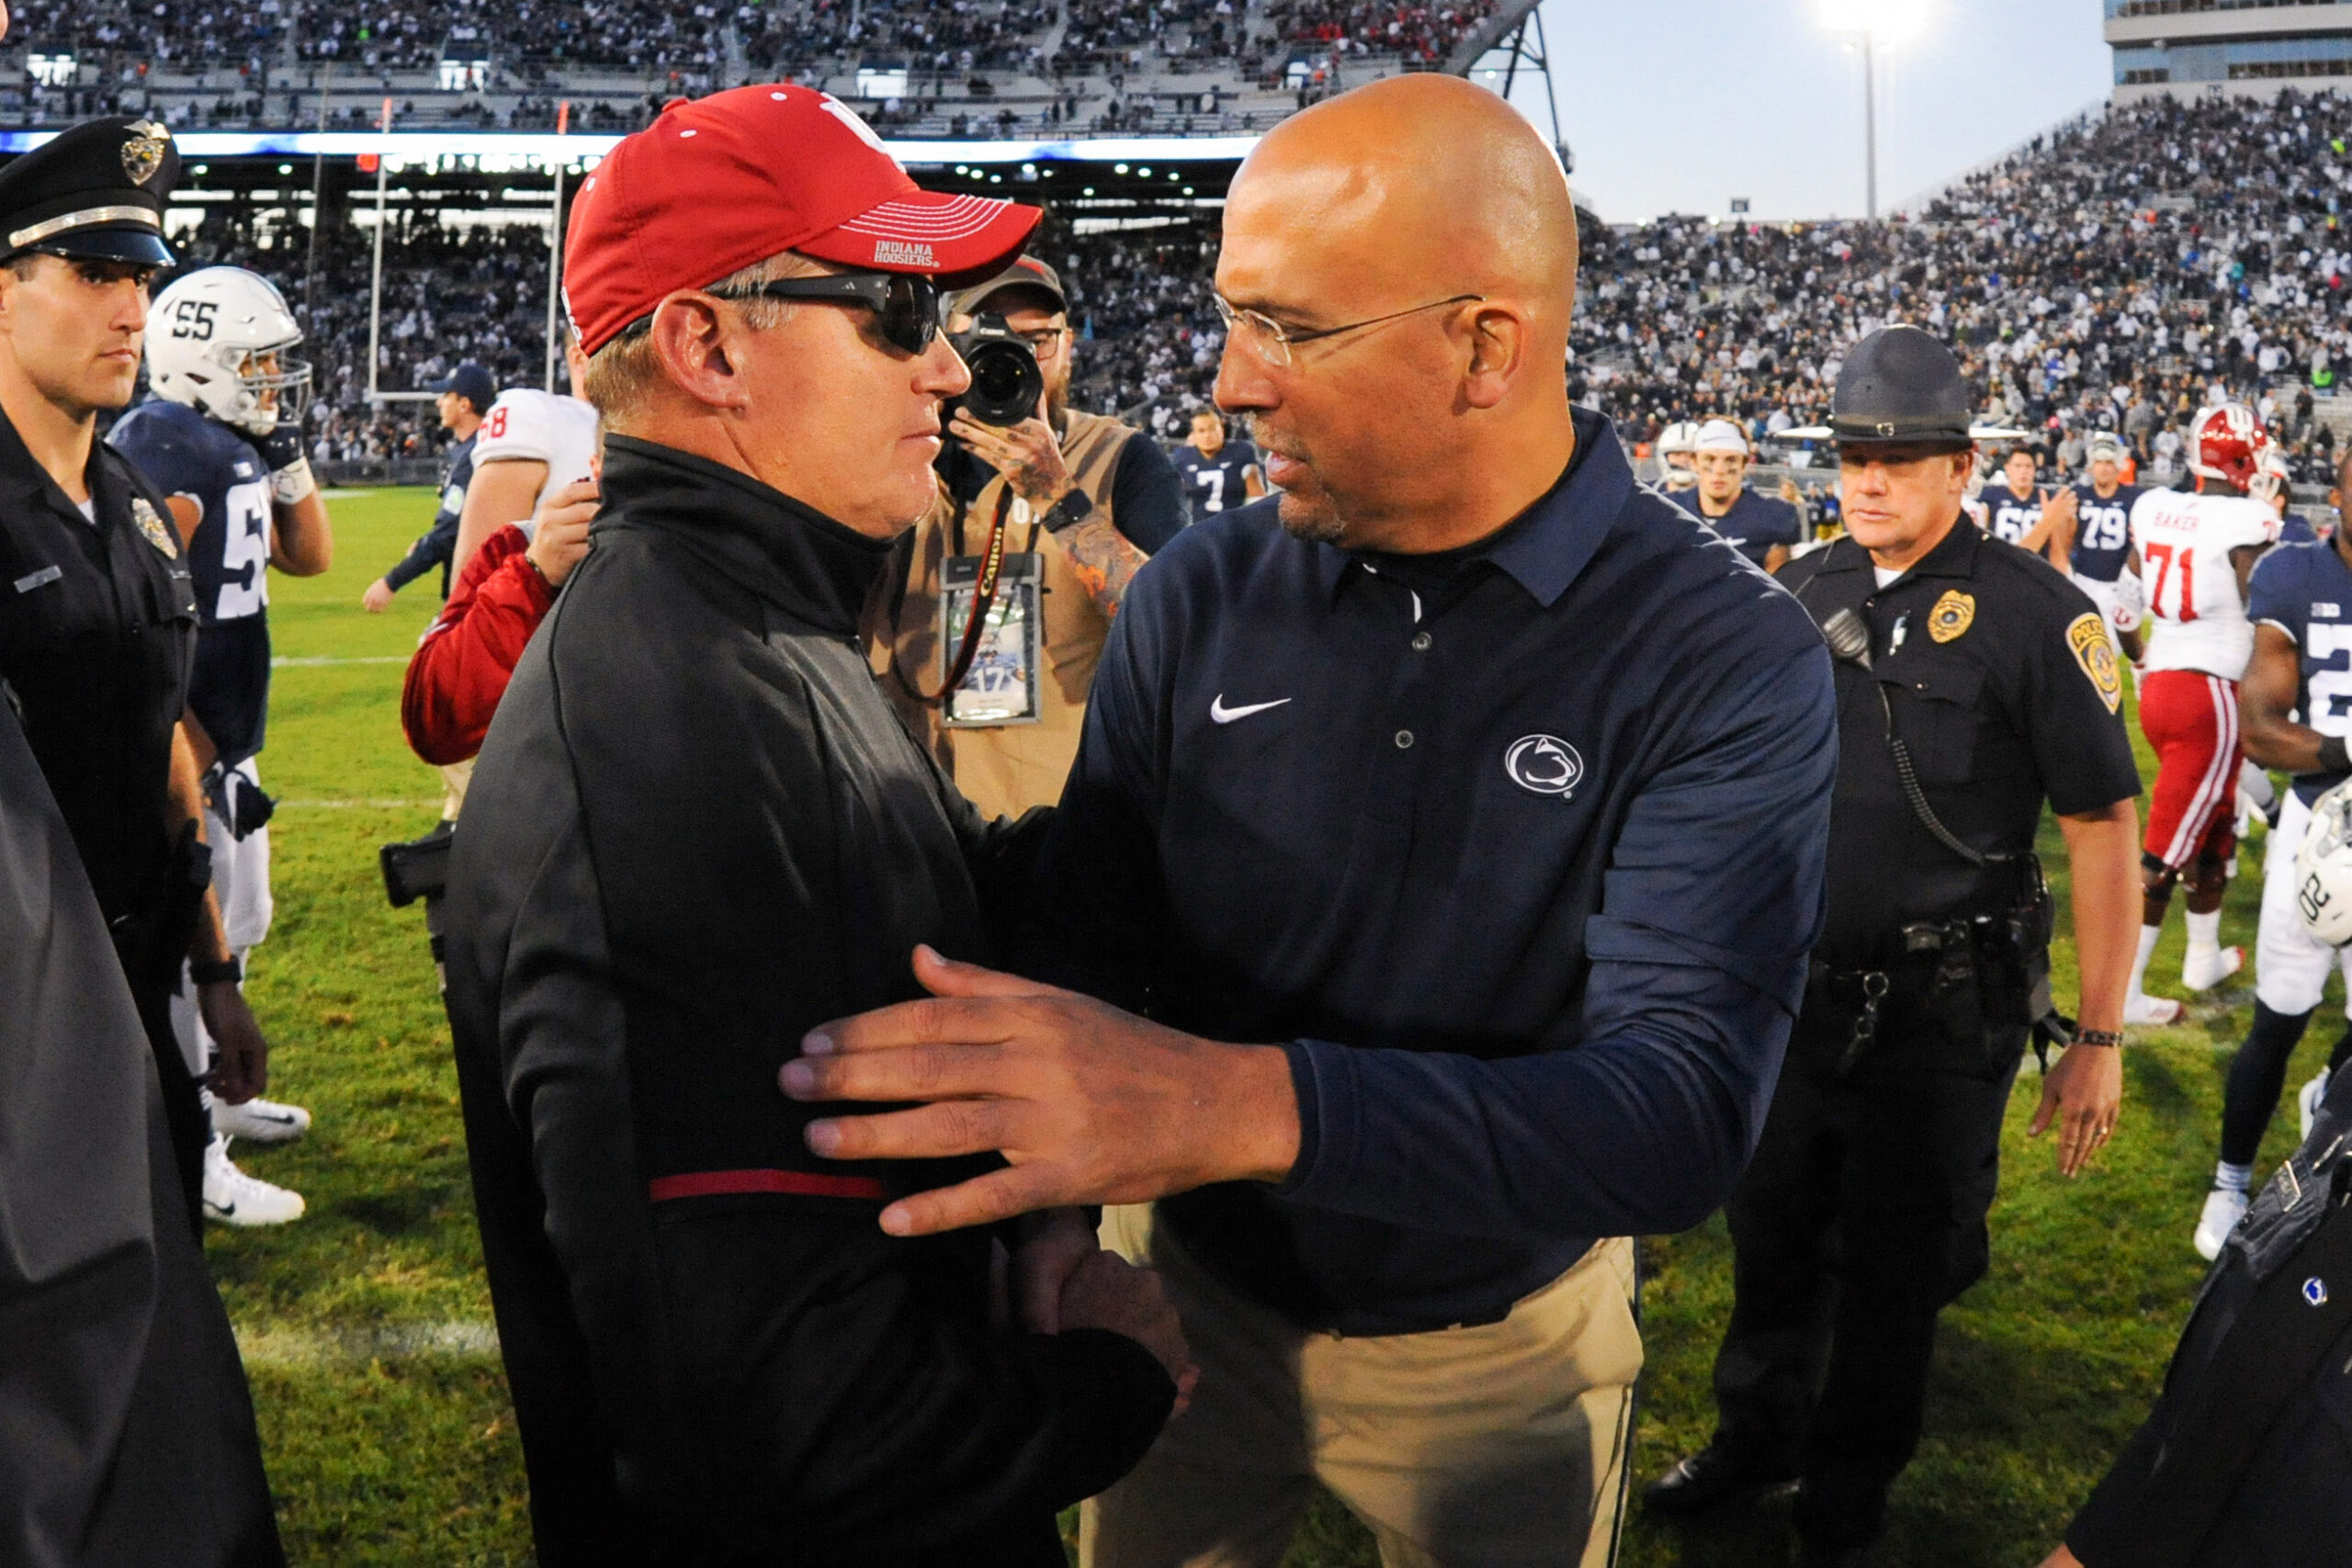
x,y
144,149
2087,635
151,523
1953,613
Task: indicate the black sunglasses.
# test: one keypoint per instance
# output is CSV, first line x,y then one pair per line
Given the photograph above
x,y
906,305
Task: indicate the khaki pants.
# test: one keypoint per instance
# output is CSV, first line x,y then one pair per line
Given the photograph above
x,y
1491,1447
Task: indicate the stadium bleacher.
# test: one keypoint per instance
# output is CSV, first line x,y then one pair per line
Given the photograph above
x,y
948,68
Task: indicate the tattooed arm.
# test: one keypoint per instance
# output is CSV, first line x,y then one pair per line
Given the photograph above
x,y
1102,558
1031,461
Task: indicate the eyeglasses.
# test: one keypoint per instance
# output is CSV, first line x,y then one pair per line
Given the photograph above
x,y
1274,341
906,305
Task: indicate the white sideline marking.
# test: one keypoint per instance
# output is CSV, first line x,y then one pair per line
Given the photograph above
x,y
344,494
351,805
459,1339
313,661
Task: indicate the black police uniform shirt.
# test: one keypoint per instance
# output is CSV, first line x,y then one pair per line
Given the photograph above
x,y
698,831
1755,523
2003,686
2007,515
437,545
1218,483
1521,854
97,639
2305,591
2102,532
183,452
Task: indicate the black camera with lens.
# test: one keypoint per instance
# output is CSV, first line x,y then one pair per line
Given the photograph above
x,y
1006,383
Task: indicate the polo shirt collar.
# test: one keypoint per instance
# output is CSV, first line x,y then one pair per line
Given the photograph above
x,y
1547,547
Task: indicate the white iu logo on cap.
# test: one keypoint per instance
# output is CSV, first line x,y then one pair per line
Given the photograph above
x,y
1544,763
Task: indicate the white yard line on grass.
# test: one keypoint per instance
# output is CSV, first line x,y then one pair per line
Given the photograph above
x,y
352,804
356,1346
315,660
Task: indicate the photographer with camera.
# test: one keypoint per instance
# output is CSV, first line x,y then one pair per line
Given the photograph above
x,y
1044,513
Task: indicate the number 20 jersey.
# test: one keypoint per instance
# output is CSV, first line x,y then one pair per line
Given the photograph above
x,y
2306,592
2196,619
184,451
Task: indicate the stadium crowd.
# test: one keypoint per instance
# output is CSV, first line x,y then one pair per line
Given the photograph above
x,y
120,42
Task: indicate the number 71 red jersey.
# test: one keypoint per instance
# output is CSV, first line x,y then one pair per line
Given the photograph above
x,y
2196,620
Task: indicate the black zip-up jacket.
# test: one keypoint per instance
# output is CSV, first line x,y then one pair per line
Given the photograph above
x,y
696,831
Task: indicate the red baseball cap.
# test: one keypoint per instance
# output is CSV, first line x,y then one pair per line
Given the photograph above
x,y
718,183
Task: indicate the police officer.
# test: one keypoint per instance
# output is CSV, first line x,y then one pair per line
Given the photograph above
x,y
1974,683
97,611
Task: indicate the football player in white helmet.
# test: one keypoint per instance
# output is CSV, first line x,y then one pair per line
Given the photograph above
x,y
1677,448
221,434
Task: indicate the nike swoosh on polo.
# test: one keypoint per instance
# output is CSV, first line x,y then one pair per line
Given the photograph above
x,y
1224,715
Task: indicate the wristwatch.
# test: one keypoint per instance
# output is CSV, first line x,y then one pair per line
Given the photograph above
x,y
216,972
1073,508
2099,1037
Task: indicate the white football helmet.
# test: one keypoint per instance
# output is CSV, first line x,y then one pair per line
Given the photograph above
x,y
216,342
2323,868
1680,439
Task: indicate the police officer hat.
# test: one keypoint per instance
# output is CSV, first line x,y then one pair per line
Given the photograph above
x,y
96,191
1899,385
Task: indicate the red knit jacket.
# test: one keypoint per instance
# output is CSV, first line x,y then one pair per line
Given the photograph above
x,y
461,668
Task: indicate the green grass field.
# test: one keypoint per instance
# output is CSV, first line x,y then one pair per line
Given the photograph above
x,y
365,1324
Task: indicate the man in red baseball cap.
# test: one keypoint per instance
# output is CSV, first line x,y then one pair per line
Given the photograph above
x,y
696,829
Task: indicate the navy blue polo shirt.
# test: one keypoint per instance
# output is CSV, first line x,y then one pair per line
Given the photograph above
x,y
1521,859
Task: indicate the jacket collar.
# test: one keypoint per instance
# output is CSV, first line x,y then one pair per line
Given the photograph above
x,y
788,554
1545,548
1954,556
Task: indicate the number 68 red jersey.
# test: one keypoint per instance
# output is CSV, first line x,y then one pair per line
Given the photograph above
x,y
2197,620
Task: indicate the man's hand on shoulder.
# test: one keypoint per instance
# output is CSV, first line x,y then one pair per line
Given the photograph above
x,y
1087,1104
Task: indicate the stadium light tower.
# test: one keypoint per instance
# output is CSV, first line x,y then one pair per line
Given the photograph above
x,y
1871,23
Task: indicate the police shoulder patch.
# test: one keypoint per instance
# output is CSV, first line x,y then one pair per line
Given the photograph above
x,y
151,523
1953,613
2087,640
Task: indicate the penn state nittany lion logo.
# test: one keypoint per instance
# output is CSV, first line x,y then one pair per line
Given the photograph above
x,y
1544,765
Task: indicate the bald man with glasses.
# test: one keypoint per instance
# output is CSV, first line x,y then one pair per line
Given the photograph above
x,y
1433,888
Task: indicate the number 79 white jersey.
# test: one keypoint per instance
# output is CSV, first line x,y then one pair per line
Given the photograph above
x,y
2195,618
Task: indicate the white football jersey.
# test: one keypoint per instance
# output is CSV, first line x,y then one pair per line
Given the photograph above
x,y
560,432
2195,618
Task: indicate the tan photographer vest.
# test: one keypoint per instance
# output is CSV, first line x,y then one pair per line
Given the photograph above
x,y
1006,770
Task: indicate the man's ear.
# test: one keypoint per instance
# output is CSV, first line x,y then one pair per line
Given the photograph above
x,y
690,338
1497,353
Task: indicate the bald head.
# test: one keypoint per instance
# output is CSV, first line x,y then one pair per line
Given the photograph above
x,y
1407,258
1420,185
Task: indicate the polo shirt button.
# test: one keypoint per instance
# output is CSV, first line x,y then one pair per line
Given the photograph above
x,y
1403,739
1420,642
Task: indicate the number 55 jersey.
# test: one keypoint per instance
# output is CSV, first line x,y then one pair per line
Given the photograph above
x,y
2197,620
185,453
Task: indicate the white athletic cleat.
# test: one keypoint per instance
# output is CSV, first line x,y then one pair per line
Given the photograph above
x,y
2202,974
2308,1101
2222,1213
235,1199
260,1120
2143,1009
